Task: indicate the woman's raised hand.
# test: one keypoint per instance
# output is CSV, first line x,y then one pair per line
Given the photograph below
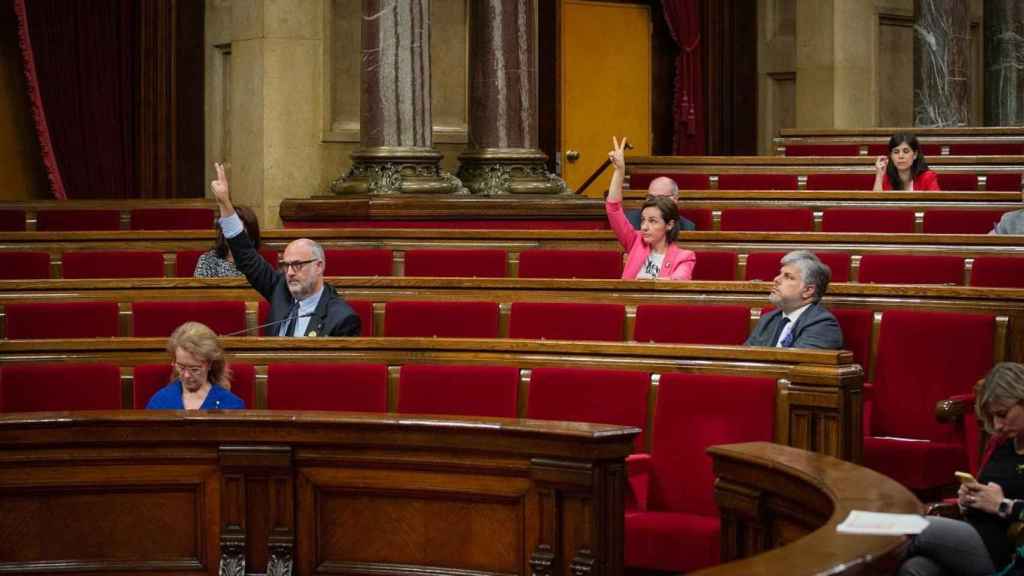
x,y
881,163
617,155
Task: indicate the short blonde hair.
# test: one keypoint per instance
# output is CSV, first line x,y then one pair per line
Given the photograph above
x,y
1004,383
198,340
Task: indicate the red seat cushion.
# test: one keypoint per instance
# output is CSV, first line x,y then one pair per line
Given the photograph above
x,y
857,325
148,378
333,386
567,321
358,262
768,219
911,269
998,272
823,150
701,217
713,265
159,319
957,182
58,220
917,465
173,218
986,149
867,220
831,181
552,263
24,265
59,386
455,263
458,390
364,308
12,220
1003,182
62,320
671,542
692,324
685,180
588,395
113,264
966,221
757,182
441,319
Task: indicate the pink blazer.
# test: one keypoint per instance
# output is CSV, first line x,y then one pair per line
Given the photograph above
x,y
677,265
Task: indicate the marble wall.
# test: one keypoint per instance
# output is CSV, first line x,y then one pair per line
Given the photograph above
x,y
1004,58
941,63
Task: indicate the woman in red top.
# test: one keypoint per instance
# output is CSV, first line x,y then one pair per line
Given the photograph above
x,y
905,167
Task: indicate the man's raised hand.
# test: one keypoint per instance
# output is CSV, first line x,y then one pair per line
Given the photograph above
x,y
219,187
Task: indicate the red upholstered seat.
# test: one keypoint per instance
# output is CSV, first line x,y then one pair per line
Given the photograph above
x,y
671,517
32,320
692,324
923,358
911,269
587,395
159,319
701,217
59,386
113,264
767,219
552,263
441,319
567,321
333,386
456,263
883,149
831,181
765,265
186,260
856,324
173,218
998,272
958,182
24,265
458,390
364,308
358,262
57,220
1003,182
685,180
714,265
986,149
823,150
886,220
961,221
12,220
148,378
757,182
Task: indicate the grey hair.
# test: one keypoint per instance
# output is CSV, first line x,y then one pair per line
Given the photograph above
x,y
1004,383
318,251
813,272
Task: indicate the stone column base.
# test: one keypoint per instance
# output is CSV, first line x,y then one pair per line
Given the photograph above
x,y
397,170
493,171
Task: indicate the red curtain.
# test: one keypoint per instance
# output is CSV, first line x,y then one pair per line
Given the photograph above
x,y
683,17
80,63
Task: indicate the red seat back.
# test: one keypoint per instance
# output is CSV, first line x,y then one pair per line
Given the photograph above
x,y
113,264
695,411
998,272
148,378
1003,182
364,308
567,321
966,221
24,265
950,181
766,265
692,324
587,395
173,218
829,181
856,325
701,217
823,150
456,263
159,319
458,390
767,219
62,220
911,269
12,220
685,180
186,260
358,262
441,319
713,265
986,149
59,386
884,220
551,263
32,320
334,386
757,182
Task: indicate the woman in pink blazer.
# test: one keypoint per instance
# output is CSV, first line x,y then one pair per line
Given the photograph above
x,y
652,250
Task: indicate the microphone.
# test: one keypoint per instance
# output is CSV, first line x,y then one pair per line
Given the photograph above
x,y
268,324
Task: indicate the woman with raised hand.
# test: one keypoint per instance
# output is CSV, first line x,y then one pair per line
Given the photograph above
x,y
905,167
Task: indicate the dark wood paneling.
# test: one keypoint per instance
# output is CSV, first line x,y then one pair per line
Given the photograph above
x,y
730,33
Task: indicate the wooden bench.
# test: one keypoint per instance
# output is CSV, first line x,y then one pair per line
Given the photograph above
x,y
818,405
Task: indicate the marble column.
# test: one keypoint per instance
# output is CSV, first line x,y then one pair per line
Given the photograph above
x,y
503,155
396,153
941,50
1004,62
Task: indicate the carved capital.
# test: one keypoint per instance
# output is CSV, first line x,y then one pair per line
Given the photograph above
x,y
493,172
542,561
232,559
583,563
281,560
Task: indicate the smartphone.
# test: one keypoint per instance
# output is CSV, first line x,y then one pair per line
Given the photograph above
x,y
964,477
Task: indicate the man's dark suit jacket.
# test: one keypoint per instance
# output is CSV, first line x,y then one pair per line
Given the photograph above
x,y
815,328
634,218
332,317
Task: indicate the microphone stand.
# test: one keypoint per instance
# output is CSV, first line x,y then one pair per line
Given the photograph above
x,y
268,324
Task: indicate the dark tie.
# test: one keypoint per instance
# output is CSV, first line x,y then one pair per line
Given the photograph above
x,y
788,340
293,312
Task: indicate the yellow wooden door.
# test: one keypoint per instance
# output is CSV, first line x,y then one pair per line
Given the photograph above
x,y
606,85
